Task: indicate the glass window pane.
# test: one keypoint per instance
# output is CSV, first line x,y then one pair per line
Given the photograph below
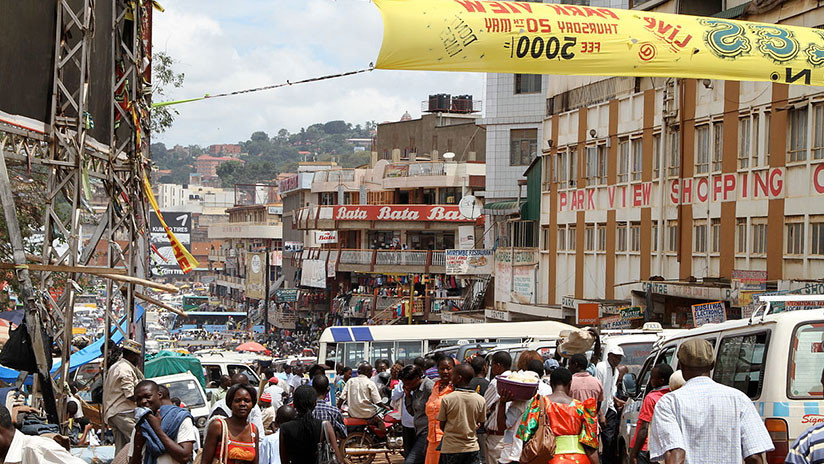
x,y
740,363
806,360
408,350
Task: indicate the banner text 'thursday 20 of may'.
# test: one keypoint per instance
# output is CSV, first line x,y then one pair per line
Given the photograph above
x,y
544,38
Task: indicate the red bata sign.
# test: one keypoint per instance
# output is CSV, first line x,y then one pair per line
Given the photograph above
x,y
399,213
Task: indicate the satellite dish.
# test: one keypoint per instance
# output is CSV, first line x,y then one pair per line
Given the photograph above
x,y
448,155
469,207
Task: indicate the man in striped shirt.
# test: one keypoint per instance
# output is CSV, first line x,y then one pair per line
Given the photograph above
x,y
809,446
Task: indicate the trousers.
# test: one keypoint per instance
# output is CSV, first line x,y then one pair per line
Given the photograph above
x,y
417,452
609,435
122,425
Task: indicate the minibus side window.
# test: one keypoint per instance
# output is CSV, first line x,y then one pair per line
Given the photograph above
x,y
740,362
643,378
666,356
806,361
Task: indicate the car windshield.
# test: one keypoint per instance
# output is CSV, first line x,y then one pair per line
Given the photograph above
x,y
804,379
635,354
187,391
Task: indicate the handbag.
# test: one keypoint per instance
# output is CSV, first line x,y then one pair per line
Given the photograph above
x,y
326,452
224,449
540,449
18,353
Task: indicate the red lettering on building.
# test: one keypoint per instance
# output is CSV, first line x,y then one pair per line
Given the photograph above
x,y
730,181
702,189
591,198
675,192
440,213
646,193
818,182
776,183
611,195
760,185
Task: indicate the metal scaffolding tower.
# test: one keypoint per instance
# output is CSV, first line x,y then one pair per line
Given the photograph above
x,y
74,162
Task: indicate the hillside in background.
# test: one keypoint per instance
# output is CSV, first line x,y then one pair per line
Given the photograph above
x,y
267,156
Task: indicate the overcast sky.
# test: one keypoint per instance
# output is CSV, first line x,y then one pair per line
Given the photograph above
x,y
224,46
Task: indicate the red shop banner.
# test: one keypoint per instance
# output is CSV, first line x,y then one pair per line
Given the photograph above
x,y
443,213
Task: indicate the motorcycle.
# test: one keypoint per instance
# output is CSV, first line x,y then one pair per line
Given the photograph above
x,y
366,438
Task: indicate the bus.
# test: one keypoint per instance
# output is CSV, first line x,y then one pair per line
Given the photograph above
x,y
193,302
351,345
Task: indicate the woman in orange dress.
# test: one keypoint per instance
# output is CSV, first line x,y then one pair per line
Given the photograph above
x,y
241,445
433,406
573,422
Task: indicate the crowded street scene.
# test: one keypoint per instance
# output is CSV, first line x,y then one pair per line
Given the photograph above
x,y
412,232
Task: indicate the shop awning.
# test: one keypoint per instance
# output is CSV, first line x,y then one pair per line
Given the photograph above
x,y
504,208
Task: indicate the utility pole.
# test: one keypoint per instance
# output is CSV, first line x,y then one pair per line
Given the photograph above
x,y
266,285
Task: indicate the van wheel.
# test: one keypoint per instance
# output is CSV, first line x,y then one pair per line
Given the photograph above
x,y
357,440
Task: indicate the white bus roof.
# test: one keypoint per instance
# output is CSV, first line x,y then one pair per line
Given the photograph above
x,y
496,330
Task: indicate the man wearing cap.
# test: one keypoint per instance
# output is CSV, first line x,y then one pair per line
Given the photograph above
x,y
118,394
607,372
274,390
704,421
267,412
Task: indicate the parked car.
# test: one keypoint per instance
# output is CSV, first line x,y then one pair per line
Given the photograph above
x,y
186,387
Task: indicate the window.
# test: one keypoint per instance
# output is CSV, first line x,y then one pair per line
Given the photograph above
x,y
656,156
545,238
635,237
672,234
523,146
561,245
715,235
797,137
675,153
572,243
759,237
589,238
718,146
756,142
795,237
602,237
527,83
818,131
573,166
806,358
602,164
654,236
740,363
702,149
621,237
741,235
744,142
767,137
561,171
637,158
700,236
592,166
666,356
817,237
623,160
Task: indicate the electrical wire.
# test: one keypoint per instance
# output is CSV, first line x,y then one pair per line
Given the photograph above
x,y
268,87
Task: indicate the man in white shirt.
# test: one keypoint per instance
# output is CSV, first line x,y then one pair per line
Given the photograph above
x,y
179,446
361,395
607,373
17,448
704,421
501,363
275,392
296,380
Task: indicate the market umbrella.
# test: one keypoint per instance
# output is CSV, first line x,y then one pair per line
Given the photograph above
x,y
251,346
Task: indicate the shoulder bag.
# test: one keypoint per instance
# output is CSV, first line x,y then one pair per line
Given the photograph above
x,y
540,449
224,441
326,452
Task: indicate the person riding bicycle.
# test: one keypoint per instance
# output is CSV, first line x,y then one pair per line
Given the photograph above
x,y
362,397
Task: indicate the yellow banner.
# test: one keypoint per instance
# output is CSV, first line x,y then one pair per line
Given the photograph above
x,y
185,260
545,38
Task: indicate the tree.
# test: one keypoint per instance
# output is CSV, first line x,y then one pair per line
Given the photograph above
x,y
163,76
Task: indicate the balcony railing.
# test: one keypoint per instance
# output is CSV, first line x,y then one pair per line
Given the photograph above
x,y
380,260
401,258
356,257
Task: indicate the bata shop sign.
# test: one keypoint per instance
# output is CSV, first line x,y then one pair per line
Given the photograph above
x,y
444,213
326,236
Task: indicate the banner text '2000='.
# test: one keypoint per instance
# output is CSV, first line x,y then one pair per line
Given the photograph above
x,y
545,38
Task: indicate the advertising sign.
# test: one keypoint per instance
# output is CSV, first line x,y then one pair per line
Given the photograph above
x,y
709,313
615,323
441,213
276,258
164,259
255,275
466,237
587,313
323,237
313,273
461,262
396,170
288,184
631,313
515,283
286,295
548,38
750,281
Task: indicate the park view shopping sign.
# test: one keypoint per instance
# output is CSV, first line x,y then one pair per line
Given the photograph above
x,y
443,213
538,38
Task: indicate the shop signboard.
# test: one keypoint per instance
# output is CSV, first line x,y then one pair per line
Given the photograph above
x,y
164,259
750,281
286,295
709,313
255,275
469,262
587,313
313,273
324,237
615,323
396,170
440,213
631,313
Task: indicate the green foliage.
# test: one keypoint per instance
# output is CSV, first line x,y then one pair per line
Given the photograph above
x,y
265,157
163,76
